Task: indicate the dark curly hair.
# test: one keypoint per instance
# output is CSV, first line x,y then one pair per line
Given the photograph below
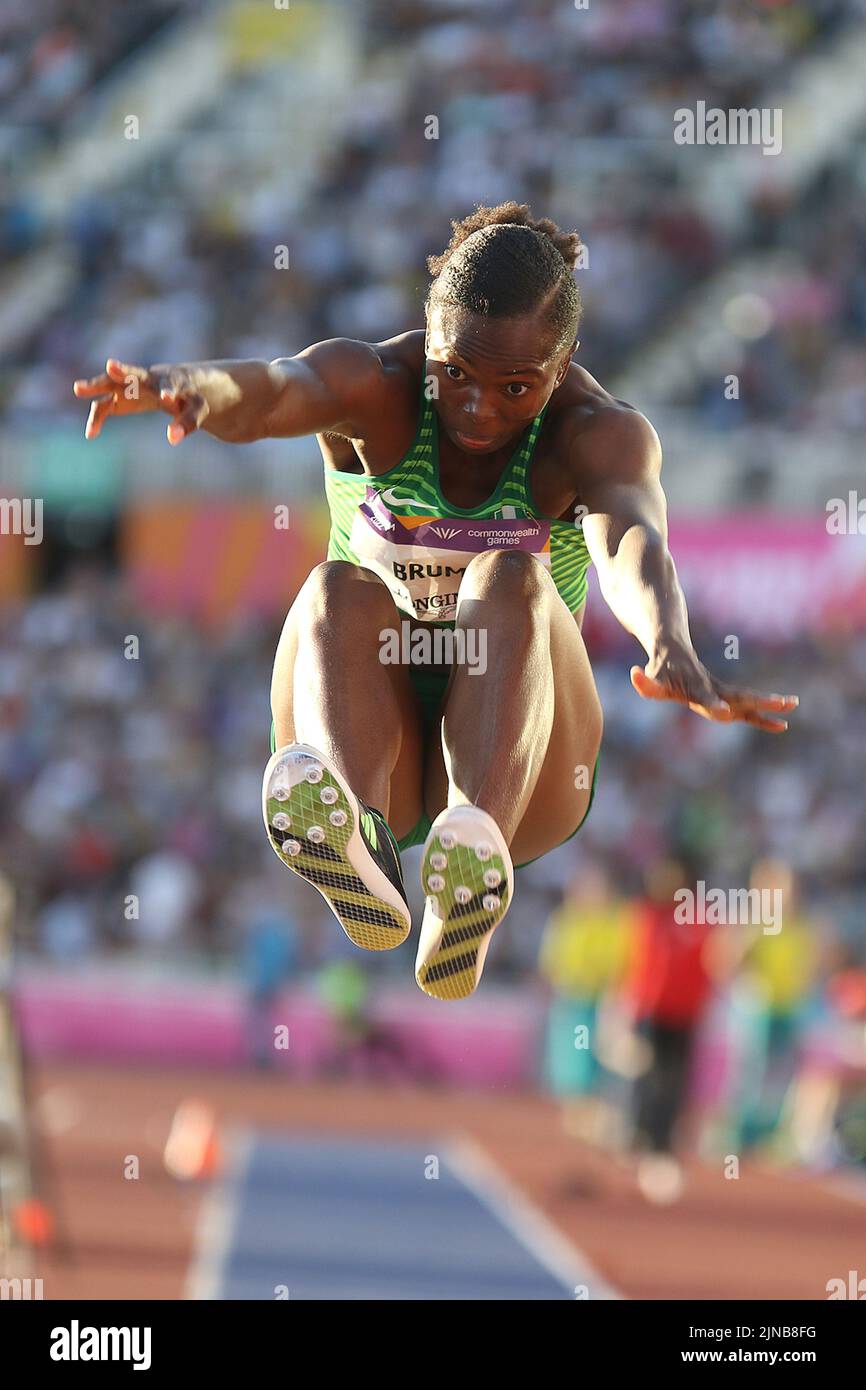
x,y
502,262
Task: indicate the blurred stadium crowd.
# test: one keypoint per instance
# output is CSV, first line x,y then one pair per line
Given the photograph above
x,y
170,267
52,52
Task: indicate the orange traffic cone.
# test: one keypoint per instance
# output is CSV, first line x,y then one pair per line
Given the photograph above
x,y
192,1148
33,1222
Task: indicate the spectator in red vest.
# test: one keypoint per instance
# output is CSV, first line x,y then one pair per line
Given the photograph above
x,y
667,988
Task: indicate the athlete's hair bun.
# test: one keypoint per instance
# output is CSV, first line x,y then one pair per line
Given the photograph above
x,y
568,244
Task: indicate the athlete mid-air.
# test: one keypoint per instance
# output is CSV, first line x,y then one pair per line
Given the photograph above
x,y
472,471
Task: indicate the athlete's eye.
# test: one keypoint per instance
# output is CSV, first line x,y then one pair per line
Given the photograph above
x,y
450,367
517,388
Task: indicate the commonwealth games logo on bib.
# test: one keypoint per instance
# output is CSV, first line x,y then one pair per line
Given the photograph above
x,y
421,557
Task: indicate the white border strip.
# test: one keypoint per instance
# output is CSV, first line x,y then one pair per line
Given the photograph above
x,y
522,1218
217,1220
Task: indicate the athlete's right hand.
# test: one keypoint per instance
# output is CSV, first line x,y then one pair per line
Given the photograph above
x,y
123,389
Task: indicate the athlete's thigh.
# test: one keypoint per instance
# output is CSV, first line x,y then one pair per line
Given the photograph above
x,y
561,795
406,779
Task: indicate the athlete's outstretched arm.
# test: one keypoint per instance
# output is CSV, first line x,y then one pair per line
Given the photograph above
x,y
618,463
333,383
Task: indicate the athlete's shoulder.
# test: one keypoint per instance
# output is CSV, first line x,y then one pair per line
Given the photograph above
x,y
403,357
370,379
394,364
349,359
602,435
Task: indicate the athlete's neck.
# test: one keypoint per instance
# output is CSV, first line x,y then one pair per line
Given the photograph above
x,y
468,480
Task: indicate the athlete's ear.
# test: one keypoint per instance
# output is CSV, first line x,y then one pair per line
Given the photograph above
x,y
563,368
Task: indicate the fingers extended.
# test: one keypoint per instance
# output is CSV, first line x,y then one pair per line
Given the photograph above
x,y
752,699
99,409
772,726
92,386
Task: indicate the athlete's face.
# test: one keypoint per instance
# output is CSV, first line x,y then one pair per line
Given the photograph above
x,y
492,376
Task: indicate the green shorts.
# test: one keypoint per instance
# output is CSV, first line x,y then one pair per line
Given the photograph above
x,y
429,687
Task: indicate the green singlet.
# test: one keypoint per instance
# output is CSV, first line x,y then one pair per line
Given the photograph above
x,y
399,525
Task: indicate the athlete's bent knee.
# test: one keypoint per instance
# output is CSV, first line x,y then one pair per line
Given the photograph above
x,y
514,572
339,586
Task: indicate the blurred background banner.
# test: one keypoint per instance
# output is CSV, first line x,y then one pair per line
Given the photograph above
x,y
763,575
771,576
632,1106
219,560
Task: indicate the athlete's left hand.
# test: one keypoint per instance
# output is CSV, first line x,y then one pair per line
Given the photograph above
x,y
677,673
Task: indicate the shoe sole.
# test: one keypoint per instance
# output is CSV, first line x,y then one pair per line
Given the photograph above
x,y
463,907
321,840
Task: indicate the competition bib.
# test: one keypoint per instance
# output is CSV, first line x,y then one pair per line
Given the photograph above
x,y
423,558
